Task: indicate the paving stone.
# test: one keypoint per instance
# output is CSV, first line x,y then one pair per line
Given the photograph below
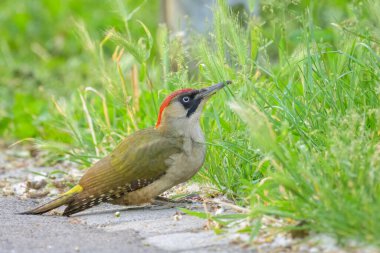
x,y
161,226
105,214
49,233
185,241
98,230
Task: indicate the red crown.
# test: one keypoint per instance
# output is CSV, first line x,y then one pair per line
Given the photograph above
x,y
167,101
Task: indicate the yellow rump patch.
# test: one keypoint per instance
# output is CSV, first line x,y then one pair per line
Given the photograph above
x,y
75,189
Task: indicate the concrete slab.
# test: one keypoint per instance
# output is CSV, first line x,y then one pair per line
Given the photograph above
x,y
98,230
160,226
185,241
40,234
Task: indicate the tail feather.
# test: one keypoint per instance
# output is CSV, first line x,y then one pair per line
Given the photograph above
x,y
64,199
73,207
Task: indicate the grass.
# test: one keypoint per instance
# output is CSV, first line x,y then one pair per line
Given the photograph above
x,y
296,135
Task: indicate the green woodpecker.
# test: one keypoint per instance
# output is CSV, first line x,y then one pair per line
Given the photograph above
x,y
148,162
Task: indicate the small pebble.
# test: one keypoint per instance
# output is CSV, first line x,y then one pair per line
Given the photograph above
x,y
37,184
313,250
19,188
220,210
36,194
177,216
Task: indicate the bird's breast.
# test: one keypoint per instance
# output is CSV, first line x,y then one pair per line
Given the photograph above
x,y
182,166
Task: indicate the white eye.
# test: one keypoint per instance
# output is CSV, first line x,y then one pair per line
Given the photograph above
x,y
185,99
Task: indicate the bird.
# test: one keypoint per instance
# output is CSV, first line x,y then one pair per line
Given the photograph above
x,y
147,162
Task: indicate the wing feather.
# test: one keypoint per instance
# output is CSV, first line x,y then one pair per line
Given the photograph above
x,y
136,162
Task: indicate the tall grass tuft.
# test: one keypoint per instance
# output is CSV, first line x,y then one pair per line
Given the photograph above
x,y
315,119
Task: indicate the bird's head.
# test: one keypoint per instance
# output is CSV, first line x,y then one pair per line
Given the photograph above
x,y
182,108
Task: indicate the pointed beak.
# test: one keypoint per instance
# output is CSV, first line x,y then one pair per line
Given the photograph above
x,y
209,91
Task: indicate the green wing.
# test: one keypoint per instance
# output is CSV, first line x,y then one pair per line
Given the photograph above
x,y
136,162
141,155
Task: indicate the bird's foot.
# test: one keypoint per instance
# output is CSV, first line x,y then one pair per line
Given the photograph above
x,y
163,204
170,203
182,200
